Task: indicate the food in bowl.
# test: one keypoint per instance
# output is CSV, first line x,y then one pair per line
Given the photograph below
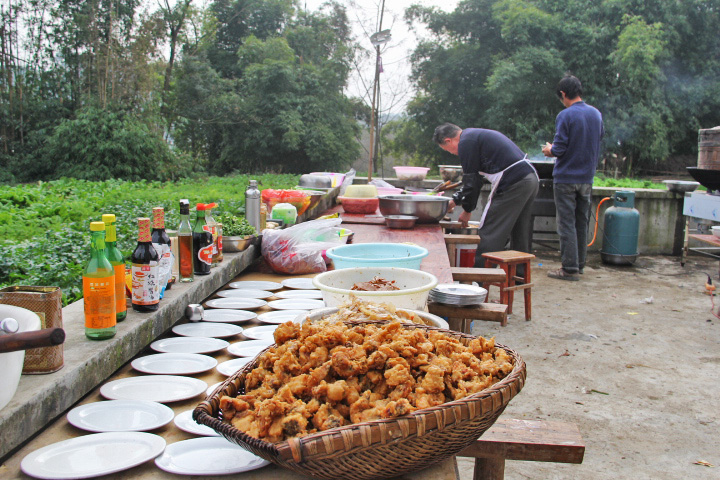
x,y
361,191
323,375
359,205
377,284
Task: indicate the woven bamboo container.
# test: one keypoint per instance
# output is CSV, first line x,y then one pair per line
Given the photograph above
x,y
379,448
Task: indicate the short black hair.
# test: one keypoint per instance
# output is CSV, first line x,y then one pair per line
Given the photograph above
x,y
571,85
444,131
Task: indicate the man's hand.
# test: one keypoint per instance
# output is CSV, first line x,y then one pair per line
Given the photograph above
x,y
547,149
451,206
464,218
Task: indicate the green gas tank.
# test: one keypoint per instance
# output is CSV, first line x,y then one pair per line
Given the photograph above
x,y
620,233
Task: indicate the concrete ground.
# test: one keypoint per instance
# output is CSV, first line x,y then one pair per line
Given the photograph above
x,y
629,354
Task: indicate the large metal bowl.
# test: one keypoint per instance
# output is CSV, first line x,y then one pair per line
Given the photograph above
x,y
680,186
317,314
428,208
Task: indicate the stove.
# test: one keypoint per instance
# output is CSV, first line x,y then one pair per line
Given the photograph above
x,y
702,205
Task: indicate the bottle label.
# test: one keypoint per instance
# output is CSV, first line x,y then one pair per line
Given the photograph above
x,y
99,302
164,264
145,284
120,303
205,254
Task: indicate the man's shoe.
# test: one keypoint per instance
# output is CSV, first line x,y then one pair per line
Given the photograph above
x,y
561,274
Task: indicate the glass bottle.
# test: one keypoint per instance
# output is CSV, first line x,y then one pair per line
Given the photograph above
x,y
116,259
202,243
99,289
185,243
252,205
161,242
214,230
263,218
145,281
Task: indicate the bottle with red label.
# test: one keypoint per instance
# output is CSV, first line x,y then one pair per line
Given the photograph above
x,y
202,243
161,242
99,289
145,271
117,260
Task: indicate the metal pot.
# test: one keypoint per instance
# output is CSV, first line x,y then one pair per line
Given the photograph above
x,y
428,208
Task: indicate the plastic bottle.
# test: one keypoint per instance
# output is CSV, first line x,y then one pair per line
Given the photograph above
x,y
252,205
145,271
99,289
216,235
185,243
161,242
202,243
116,259
263,218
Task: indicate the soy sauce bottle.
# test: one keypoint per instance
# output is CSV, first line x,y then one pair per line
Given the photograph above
x,y
145,271
202,243
161,242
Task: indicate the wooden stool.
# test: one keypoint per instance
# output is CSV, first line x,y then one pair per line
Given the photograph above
x,y
530,440
460,318
508,260
453,240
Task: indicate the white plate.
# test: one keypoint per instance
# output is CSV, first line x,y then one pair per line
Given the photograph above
x,y
299,294
212,387
239,303
120,416
263,332
174,363
300,283
227,315
280,316
244,293
92,455
207,456
188,345
185,422
249,348
256,284
202,329
296,304
231,366
156,388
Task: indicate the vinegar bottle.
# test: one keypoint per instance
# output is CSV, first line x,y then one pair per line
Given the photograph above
x,y
99,289
145,280
185,243
161,242
117,260
202,243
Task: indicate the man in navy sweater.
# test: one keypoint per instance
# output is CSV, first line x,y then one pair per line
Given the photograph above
x,y
576,146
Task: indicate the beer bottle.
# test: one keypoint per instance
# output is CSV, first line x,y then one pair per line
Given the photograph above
x,y
99,289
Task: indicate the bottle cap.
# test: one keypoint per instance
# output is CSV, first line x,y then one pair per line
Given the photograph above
x,y
158,215
184,201
201,206
97,226
144,229
210,206
108,218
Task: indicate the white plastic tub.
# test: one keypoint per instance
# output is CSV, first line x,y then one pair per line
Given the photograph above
x,y
12,362
414,285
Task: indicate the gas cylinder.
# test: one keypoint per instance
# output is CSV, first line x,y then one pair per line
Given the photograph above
x,y
620,233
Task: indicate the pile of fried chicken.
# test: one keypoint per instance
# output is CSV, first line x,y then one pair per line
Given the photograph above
x,y
326,374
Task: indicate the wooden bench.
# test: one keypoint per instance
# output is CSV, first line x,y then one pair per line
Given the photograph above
x,y
460,318
479,275
529,440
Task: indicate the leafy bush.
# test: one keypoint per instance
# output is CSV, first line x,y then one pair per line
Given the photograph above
x,y
602,181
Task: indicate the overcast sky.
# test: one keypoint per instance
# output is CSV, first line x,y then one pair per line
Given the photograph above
x,y
395,89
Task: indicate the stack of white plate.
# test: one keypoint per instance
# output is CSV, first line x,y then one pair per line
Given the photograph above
x,y
458,294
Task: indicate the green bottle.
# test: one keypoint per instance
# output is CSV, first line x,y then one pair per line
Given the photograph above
x,y
117,260
99,289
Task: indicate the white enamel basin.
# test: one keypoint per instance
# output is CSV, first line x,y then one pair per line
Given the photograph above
x,y
12,362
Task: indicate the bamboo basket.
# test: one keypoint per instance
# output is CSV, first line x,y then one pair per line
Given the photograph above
x,y
379,448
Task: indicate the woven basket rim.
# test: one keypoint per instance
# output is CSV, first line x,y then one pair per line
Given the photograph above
x,y
296,449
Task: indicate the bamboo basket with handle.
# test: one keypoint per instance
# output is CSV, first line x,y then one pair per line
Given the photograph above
x,y
379,448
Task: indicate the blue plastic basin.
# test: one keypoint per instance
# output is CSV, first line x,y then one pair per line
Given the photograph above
x,y
377,255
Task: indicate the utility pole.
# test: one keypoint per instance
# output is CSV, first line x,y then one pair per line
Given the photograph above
x,y
377,39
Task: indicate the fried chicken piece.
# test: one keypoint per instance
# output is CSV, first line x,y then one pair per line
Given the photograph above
x,y
347,362
286,331
434,380
481,345
460,371
327,417
401,391
397,361
376,360
287,363
246,423
397,408
332,392
422,399
397,375
230,406
255,378
294,425
311,356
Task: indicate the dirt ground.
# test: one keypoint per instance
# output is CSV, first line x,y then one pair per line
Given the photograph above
x,y
629,354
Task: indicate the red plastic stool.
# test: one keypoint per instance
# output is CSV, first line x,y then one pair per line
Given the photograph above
x,y
508,260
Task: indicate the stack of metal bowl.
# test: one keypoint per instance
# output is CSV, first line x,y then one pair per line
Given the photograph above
x,y
458,294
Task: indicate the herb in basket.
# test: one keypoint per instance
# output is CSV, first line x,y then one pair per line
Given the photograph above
x,y
235,226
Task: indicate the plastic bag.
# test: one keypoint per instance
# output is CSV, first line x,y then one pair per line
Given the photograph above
x,y
299,249
348,180
298,198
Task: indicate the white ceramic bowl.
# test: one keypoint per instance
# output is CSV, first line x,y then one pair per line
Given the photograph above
x,y
716,230
315,315
414,285
12,362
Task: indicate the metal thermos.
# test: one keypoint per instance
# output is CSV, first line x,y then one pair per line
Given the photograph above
x,y
252,205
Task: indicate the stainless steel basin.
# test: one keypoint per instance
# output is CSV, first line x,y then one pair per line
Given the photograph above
x,y
428,208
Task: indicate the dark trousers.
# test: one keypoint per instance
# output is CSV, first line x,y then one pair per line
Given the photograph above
x,y
572,206
508,218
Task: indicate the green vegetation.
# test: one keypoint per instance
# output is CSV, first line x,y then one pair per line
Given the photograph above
x,y
45,225
601,181
234,226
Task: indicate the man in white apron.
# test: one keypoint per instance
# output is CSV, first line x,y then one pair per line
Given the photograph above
x,y
514,185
